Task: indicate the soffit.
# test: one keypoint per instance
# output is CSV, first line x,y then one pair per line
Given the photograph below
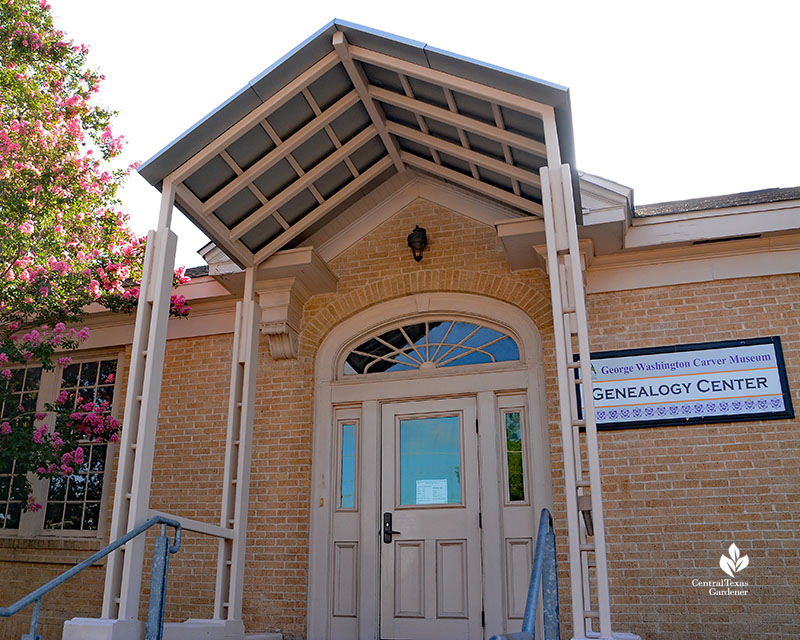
x,y
340,115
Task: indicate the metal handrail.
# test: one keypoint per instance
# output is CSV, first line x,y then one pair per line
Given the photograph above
x,y
161,552
543,575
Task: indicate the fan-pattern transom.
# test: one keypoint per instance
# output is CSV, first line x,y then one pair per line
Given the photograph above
x,y
431,344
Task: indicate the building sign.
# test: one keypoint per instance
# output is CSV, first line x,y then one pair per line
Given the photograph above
x,y
693,383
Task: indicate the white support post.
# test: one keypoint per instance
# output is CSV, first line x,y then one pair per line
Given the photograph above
x,y
575,270
238,446
570,328
555,243
139,426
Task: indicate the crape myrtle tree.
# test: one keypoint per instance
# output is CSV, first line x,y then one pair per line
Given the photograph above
x,y
64,244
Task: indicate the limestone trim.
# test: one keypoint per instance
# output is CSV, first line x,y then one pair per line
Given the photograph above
x,y
286,282
534,302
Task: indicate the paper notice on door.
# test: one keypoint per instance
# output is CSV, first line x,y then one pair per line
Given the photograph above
x,y
431,491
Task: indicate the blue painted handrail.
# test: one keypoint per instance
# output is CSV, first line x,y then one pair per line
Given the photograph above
x,y
162,550
544,577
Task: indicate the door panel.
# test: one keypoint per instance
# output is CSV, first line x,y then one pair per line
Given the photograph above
x,y
431,570
451,579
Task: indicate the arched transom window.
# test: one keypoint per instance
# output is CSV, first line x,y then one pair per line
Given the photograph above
x,y
431,344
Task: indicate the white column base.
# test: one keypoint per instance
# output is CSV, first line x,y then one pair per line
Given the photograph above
x,y
615,635
202,629
102,629
192,629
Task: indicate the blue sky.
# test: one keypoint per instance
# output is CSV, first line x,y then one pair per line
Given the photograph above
x,y
677,100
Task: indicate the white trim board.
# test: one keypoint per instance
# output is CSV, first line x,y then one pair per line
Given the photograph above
x,y
712,224
663,267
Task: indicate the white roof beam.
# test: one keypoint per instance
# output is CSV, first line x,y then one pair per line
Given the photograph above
x,y
323,209
420,120
302,183
469,87
290,159
360,83
498,120
281,151
213,226
329,130
245,124
459,121
471,183
451,104
253,188
473,157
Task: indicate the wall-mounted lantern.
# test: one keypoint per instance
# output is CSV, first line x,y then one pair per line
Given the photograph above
x,y
417,240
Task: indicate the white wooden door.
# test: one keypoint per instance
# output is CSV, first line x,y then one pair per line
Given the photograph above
x,y
431,569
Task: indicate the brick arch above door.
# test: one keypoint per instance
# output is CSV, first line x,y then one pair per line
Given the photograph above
x,y
323,313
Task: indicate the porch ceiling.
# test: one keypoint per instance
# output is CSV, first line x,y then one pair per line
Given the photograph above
x,y
341,114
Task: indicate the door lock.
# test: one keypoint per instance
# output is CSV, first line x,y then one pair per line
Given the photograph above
x,y
387,527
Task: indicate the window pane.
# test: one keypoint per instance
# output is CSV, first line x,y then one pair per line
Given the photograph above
x,y
12,483
98,453
18,485
28,401
347,499
88,374
53,515
471,357
105,396
70,376
91,516
32,377
15,382
504,350
72,515
482,336
430,461
58,489
94,488
108,369
12,515
516,479
76,488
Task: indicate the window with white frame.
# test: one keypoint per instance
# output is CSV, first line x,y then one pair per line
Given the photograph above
x,y
23,388
72,505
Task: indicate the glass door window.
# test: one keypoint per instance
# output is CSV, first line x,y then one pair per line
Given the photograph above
x,y
430,461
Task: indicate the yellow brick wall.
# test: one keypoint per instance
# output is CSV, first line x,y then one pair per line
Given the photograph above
x,y
676,497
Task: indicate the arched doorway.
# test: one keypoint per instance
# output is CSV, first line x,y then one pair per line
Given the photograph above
x,y
429,421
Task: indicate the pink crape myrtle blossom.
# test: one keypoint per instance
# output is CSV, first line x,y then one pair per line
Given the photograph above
x,y
65,244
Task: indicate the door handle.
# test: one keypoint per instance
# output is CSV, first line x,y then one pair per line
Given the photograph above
x,y
387,527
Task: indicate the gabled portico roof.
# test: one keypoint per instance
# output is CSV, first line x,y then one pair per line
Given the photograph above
x,y
344,112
